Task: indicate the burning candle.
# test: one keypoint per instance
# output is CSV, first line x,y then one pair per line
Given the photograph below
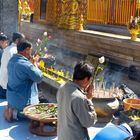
x,y
41,64
131,19
71,77
67,74
136,20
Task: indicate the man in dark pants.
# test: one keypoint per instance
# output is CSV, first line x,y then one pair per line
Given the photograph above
x,y
23,75
3,45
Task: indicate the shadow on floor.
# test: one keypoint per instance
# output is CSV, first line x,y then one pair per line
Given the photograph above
x,y
16,130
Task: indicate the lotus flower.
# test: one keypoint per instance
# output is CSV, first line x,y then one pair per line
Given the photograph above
x,y
98,68
45,33
102,60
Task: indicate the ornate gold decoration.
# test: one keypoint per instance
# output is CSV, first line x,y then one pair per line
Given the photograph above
x,y
138,4
51,11
81,22
24,10
62,20
134,33
134,24
69,14
19,13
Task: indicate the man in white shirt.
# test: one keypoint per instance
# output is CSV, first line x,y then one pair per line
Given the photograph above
x,y
7,54
3,44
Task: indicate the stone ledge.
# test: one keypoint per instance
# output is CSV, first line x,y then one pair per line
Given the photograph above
x,y
118,48
114,29
51,82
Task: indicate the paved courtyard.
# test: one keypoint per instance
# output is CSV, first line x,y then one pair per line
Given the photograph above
x,y
20,131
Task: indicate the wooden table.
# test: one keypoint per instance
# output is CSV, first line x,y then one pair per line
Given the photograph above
x,y
40,123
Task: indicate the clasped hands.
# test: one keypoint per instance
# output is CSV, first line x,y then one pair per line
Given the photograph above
x,y
90,91
35,59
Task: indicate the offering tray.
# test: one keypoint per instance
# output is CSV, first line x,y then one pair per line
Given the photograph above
x,y
43,118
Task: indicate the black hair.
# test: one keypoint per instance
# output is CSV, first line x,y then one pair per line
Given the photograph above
x,y
16,36
23,45
82,70
3,37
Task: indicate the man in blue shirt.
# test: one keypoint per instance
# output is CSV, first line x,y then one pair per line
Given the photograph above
x,y
23,75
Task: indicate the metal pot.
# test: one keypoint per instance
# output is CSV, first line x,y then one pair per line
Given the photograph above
x,y
105,107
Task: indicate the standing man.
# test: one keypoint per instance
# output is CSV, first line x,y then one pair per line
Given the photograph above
x,y
75,111
23,75
7,54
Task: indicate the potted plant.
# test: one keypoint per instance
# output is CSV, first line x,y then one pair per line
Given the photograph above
x,y
134,27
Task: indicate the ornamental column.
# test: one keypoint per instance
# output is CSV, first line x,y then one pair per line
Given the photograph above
x,y
72,13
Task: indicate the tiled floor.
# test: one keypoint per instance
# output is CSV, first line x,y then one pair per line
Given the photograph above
x,y
19,130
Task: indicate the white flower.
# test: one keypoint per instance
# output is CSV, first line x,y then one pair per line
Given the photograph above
x,y
45,33
38,40
102,60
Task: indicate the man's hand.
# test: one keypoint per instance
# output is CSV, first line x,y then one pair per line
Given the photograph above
x,y
90,91
34,59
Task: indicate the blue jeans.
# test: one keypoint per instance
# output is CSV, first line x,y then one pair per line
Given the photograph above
x,y
2,93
